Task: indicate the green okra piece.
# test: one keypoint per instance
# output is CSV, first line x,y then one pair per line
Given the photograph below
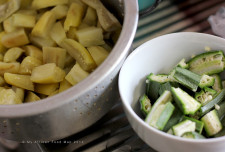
x,y
183,127
145,104
161,111
153,83
220,110
193,135
174,119
207,63
217,100
192,80
186,103
218,83
212,124
167,86
199,124
205,95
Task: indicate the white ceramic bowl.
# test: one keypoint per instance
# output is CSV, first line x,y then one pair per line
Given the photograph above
x,y
159,55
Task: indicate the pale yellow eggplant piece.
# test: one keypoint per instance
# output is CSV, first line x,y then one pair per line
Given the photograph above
x,y
44,25
107,20
27,12
12,54
60,11
15,38
71,34
74,16
25,4
9,26
23,20
98,53
82,26
9,97
28,64
19,92
58,33
115,35
33,51
90,17
9,67
46,89
31,97
2,81
80,54
80,3
76,74
64,85
39,4
70,61
2,47
90,36
55,55
47,73
8,8
18,80
41,42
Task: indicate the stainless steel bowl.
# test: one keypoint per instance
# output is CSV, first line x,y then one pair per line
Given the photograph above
x,y
80,106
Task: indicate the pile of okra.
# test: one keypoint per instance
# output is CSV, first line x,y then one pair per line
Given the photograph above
x,y
189,101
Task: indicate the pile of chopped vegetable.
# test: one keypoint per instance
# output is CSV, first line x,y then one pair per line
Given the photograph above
x,y
48,46
189,101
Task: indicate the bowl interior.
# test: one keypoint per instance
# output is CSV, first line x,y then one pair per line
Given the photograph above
x,y
159,56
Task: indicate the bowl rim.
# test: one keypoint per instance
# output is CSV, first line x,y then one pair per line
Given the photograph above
x,y
139,120
116,56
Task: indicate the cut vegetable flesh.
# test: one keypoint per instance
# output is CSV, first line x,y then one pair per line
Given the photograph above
x,y
183,127
157,110
193,135
187,78
207,63
185,102
212,123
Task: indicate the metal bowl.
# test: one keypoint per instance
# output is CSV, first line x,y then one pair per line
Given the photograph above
x,y
79,107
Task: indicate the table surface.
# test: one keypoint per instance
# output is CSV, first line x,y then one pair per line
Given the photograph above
x,y
113,132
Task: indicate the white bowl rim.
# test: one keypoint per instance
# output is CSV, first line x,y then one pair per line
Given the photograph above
x,y
141,121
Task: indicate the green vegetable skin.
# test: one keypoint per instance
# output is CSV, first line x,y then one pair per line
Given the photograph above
x,y
185,102
195,114
192,80
161,111
212,123
145,104
153,83
193,135
207,63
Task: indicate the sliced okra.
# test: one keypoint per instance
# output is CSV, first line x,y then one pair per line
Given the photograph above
x,y
218,83
185,102
183,127
161,111
205,95
193,135
174,119
145,104
153,83
217,100
167,86
207,63
192,80
212,124
199,124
